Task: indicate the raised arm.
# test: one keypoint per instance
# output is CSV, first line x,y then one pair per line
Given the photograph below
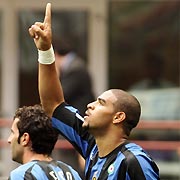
x,y
50,89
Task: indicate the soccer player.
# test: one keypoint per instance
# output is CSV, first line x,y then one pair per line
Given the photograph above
x,y
32,140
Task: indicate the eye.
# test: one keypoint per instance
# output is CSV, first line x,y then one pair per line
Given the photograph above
x,y
11,132
101,101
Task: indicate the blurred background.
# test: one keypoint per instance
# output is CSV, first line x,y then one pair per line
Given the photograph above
x,y
133,45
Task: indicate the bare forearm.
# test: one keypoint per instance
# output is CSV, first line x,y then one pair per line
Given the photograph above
x,y
50,90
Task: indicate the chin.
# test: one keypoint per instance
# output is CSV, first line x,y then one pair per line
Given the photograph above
x,y
86,127
17,160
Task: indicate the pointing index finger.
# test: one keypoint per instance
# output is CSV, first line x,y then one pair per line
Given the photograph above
x,y
47,18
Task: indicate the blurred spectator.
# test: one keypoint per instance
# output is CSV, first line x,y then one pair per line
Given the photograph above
x,y
75,79
154,67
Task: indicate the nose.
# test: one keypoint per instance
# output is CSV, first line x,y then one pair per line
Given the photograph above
x,y
9,139
90,105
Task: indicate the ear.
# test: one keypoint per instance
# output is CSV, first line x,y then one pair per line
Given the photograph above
x,y
25,138
119,117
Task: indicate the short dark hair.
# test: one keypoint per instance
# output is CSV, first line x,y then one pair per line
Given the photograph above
x,y
34,121
128,104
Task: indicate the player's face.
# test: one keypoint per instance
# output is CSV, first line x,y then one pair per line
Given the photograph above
x,y
17,149
100,113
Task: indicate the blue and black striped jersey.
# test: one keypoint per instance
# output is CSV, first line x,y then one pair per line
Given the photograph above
x,y
43,170
127,162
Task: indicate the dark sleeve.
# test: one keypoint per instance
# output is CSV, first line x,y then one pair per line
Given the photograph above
x,y
69,124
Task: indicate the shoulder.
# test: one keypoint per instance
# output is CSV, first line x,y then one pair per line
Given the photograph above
x,y
135,154
65,112
135,150
65,106
19,172
78,64
136,158
68,170
137,164
65,166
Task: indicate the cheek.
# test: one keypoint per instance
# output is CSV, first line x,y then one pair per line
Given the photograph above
x,y
105,112
17,151
14,143
101,114
104,117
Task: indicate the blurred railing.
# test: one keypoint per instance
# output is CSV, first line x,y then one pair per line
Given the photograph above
x,y
160,125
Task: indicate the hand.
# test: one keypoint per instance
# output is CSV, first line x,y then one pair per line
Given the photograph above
x,y
42,32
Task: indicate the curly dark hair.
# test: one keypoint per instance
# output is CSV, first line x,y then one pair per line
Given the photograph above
x,y
34,121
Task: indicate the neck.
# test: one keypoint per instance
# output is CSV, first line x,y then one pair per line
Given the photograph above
x,y
30,156
109,143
